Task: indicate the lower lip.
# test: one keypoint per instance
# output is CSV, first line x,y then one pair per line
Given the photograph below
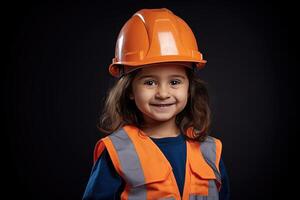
x,y
162,108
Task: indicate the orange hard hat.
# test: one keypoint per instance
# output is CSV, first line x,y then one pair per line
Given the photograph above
x,y
154,36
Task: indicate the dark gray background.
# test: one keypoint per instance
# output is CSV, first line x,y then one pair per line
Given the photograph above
x,y
58,54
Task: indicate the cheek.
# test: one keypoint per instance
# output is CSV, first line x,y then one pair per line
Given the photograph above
x,y
182,98
183,95
142,96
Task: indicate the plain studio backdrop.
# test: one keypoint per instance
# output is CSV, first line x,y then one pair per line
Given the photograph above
x,y
56,79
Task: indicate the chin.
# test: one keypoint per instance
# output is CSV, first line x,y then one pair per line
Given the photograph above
x,y
161,118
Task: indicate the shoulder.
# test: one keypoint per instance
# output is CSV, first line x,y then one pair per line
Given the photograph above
x,y
211,143
210,148
212,140
98,149
106,143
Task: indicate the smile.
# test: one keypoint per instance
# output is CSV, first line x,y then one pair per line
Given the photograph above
x,y
162,105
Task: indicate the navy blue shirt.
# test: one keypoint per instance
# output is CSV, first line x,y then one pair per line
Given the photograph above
x,y
105,182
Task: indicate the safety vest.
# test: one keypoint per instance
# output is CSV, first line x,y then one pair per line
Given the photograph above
x,y
148,174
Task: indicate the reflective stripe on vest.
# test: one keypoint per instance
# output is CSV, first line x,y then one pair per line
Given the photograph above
x,y
149,175
208,149
133,173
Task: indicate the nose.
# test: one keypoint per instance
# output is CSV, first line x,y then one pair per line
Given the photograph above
x,y
162,92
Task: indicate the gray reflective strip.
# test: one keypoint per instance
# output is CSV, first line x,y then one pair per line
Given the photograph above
x,y
208,149
213,193
197,197
130,164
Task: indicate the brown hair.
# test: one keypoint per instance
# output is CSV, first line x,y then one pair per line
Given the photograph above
x,y
120,110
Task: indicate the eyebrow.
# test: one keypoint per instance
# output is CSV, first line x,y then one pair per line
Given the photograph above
x,y
154,76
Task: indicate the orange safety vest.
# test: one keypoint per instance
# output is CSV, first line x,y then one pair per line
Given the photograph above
x,y
148,174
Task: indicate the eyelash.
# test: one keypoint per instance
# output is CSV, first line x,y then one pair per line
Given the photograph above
x,y
177,81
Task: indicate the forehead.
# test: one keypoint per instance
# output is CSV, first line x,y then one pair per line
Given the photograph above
x,y
163,70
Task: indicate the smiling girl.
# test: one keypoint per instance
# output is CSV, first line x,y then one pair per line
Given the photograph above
x,y
157,118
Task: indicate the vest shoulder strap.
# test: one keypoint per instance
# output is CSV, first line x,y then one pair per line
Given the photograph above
x,y
211,149
127,147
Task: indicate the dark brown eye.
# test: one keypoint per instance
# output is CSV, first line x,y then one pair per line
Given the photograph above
x,y
149,82
175,82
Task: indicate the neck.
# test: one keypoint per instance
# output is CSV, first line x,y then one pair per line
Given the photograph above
x,y
161,129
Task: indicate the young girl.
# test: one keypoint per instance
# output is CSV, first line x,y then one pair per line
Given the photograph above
x,y
157,118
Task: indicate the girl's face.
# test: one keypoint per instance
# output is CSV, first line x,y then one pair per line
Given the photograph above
x,y
160,92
